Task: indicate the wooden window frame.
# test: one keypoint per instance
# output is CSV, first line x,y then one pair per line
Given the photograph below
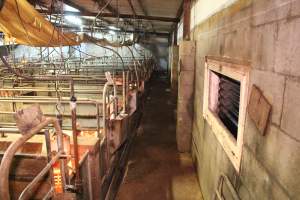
x,y
237,71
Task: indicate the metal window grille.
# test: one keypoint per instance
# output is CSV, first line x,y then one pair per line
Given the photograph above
x,y
229,103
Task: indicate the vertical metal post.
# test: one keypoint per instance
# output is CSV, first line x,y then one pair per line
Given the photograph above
x,y
124,91
186,19
74,133
98,120
49,156
48,54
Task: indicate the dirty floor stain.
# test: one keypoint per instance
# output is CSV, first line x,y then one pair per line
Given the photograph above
x,y
155,169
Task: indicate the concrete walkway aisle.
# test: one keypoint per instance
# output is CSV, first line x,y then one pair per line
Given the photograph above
x,y
155,170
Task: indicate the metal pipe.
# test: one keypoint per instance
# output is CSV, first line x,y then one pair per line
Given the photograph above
x,y
63,90
86,116
135,68
49,155
74,128
137,76
124,91
42,99
98,120
30,188
13,148
57,78
104,105
49,194
127,82
114,51
219,194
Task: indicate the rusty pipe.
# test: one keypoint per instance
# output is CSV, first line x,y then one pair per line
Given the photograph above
x,y
98,120
48,89
74,128
135,68
114,51
58,78
74,131
13,148
104,105
30,188
137,76
124,91
104,122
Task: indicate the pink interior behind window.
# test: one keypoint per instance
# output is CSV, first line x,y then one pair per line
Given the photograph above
x,y
214,81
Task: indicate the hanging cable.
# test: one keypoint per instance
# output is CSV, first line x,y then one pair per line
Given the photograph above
x,y
100,11
114,51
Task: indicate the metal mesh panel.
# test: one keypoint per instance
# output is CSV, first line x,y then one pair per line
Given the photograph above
x,y
229,103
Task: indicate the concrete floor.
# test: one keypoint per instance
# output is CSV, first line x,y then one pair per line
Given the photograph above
x,y
155,169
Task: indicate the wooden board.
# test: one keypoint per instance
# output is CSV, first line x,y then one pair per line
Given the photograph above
x,y
259,109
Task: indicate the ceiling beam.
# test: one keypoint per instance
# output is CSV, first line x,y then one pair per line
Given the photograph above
x,y
186,19
175,25
122,16
114,13
81,9
74,5
145,12
142,7
111,9
87,29
132,8
108,6
180,10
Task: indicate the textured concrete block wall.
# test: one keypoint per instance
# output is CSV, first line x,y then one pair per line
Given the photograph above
x,y
174,58
185,95
266,33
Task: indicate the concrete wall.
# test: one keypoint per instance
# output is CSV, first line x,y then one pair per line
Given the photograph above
x,y
266,33
202,10
186,78
174,68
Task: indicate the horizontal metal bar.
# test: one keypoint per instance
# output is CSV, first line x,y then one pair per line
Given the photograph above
x,y
44,101
54,114
39,177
